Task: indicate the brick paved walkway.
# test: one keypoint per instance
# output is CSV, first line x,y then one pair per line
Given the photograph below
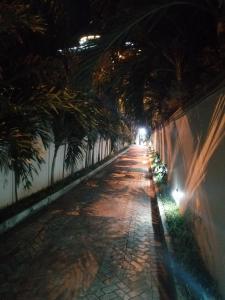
x,y
100,241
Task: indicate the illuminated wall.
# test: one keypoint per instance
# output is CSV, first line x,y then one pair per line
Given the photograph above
x,y
41,180
193,146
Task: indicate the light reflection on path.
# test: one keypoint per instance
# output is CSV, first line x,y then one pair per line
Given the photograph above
x,y
96,242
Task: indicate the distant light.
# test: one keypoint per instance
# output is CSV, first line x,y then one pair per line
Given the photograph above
x,y
85,39
129,44
121,56
141,136
142,131
177,195
84,43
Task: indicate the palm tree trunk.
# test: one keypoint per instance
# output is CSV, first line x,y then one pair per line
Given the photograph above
x,y
15,186
64,157
72,169
87,156
99,149
53,163
106,148
93,155
102,149
110,146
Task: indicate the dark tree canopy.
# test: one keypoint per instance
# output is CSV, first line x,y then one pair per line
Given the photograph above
x,y
181,48
152,58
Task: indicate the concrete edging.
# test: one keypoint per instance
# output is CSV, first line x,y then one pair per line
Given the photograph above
x,y
168,243
13,221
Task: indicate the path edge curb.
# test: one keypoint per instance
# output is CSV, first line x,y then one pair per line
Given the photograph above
x,y
16,219
168,242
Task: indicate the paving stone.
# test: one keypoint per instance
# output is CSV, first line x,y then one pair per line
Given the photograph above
x,y
106,251
91,297
145,296
135,293
120,293
99,293
111,296
109,289
126,297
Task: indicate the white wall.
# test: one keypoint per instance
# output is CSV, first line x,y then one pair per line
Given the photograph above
x,y
43,178
193,146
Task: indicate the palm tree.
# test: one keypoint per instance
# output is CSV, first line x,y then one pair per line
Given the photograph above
x,y
73,127
173,43
21,144
21,131
32,91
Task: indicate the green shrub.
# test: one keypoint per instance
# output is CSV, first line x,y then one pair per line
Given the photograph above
x,y
159,170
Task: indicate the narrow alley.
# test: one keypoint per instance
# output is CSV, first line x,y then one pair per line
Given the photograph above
x,y
102,240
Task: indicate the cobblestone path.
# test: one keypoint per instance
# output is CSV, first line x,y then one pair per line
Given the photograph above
x,y
99,241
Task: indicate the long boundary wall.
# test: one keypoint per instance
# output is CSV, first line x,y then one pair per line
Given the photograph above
x,y
100,151
193,147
